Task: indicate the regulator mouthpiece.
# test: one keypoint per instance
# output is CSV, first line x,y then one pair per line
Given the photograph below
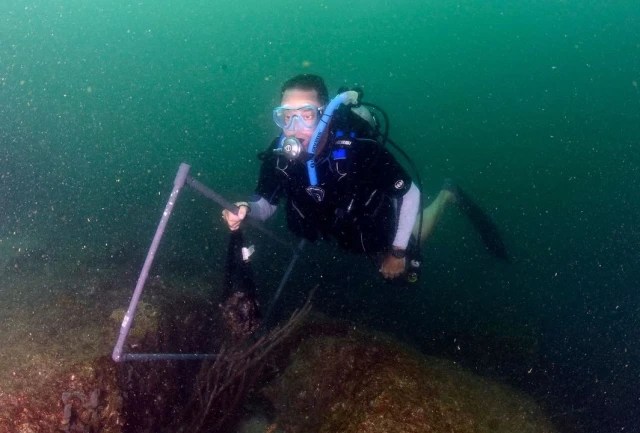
x,y
291,148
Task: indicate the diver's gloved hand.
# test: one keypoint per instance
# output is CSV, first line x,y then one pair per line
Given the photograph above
x,y
233,220
392,267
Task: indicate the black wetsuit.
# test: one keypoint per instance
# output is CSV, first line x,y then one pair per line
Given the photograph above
x,y
362,182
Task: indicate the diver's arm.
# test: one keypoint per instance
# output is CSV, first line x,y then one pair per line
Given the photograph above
x,y
258,206
261,209
409,204
394,263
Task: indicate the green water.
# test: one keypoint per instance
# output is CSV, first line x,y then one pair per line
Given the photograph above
x,y
534,107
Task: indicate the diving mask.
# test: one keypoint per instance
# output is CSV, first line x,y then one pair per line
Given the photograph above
x,y
307,116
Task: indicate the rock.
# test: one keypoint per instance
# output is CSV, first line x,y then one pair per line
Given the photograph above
x,y
56,374
81,398
363,383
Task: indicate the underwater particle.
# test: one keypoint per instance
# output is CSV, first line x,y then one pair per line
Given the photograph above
x,y
306,63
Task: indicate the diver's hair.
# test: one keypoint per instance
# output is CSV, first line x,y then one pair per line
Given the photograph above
x,y
308,82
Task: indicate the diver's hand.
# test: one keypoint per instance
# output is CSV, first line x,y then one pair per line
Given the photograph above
x,y
392,267
233,220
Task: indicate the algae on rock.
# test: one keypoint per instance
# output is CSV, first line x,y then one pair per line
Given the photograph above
x,y
365,384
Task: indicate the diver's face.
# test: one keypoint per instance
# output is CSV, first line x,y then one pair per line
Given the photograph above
x,y
298,129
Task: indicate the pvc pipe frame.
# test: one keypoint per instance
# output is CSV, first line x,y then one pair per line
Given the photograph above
x,y
182,178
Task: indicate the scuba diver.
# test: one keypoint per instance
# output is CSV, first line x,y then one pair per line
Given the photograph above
x,y
339,180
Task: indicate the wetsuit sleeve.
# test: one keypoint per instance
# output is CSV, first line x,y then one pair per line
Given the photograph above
x,y
261,209
407,216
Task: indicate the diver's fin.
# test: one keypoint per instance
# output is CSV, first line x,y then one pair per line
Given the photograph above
x,y
480,220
